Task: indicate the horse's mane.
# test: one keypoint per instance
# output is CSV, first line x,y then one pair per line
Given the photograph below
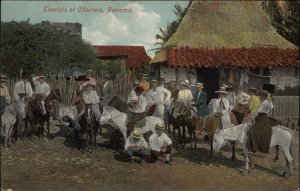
x,y
117,103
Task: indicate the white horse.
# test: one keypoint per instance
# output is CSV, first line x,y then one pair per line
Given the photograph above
x,y
281,136
16,109
114,117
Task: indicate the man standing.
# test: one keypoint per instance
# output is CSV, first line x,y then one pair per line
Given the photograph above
x,y
41,87
136,146
221,105
200,101
4,94
158,95
185,93
138,111
107,90
23,87
160,144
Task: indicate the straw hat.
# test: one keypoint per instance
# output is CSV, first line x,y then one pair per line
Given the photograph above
x,y
136,134
186,83
136,82
3,76
199,85
222,91
144,76
159,126
263,93
40,77
162,80
89,72
154,81
172,80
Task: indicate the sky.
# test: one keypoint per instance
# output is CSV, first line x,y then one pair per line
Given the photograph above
x,y
103,27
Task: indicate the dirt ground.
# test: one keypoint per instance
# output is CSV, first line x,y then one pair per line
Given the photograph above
x,y
55,165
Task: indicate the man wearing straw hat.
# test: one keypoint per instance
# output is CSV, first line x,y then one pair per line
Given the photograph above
x,y
23,86
4,94
173,89
160,144
144,83
136,146
41,87
158,95
185,94
107,92
90,76
221,106
200,101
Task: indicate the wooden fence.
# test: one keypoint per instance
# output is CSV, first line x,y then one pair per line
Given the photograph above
x,y
285,107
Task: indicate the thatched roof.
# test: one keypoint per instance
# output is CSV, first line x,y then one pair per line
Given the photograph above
x,y
226,24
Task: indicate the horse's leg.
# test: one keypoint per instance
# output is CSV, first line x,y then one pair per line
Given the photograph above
x,y
183,134
194,139
247,159
288,159
211,145
233,157
277,153
48,127
124,136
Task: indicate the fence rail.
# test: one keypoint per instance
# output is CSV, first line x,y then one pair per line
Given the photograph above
x,y
285,107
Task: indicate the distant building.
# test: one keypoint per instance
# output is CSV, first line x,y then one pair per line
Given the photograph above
x,y
74,29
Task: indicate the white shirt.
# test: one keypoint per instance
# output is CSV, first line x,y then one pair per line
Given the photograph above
x,y
265,107
131,142
41,87
185,95
156,142
217,105
141,104
242,98
21,87
158,96
91,97
132,97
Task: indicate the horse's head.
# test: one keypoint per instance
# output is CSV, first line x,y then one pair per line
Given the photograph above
x,y
105,115
218,140
88,113
168,104
21,108
69,111
178,109
38,102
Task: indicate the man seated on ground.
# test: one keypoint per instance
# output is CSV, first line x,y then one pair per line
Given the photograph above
x,y
160,144
136,146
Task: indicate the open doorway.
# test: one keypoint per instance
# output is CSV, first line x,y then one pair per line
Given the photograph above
x,y
210,77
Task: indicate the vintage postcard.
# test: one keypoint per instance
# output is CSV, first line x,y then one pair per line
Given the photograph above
x,y
149,95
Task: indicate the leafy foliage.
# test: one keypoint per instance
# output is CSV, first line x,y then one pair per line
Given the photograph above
x,y
285,18
41,48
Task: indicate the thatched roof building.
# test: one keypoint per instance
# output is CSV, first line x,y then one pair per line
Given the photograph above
x,y
227,34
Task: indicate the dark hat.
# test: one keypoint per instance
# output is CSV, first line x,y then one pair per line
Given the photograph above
x,y
254,90
162,80
263,93
139,89
136,134
82,78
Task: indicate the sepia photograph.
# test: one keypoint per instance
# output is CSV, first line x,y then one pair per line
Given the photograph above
x,y
196,95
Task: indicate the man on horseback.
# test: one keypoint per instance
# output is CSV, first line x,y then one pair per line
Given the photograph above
x,y
107,92
221,107
158,95
138,111
41,87
261,131
200,101
23,86
173,89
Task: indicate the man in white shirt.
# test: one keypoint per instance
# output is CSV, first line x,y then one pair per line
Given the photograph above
x,y
230,96
160,144
136,146
138,112
185,94
23,86
107,92
91,97
158,95
221,105
41,87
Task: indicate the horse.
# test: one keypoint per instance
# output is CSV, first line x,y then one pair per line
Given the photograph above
x,y
281,136
114,117
35,113
15,110
50,106
89,126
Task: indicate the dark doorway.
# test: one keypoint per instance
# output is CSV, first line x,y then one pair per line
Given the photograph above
x,y
210,77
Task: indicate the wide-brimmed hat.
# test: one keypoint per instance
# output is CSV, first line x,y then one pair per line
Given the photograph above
x,y
3,76
186,83
136,82
227,86
144,76
254,90
89,72
263,93
40,77
159,126
172,80
154,81
222,90
136,134
199,85
162,79
82,78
